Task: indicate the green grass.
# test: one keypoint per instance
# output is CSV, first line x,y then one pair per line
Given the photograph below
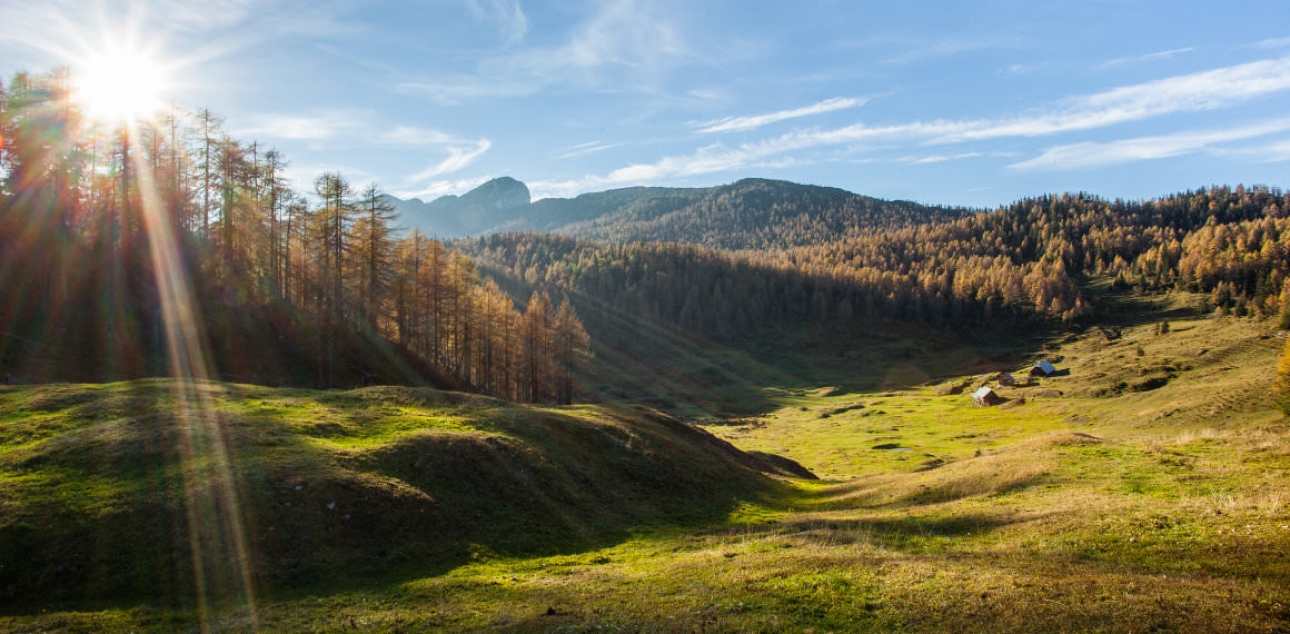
x,y
357,485
1091,505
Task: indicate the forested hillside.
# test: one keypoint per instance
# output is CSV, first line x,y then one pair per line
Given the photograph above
x,y
753,213
1028,261
114,240
756,214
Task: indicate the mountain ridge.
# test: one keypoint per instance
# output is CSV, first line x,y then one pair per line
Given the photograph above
x,y
751,213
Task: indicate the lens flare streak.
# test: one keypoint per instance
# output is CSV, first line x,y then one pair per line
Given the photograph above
x,y
216,530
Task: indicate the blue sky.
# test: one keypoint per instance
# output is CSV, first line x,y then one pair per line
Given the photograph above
x,y
975,103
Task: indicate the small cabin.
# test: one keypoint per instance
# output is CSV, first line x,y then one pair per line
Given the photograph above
x,y
1043,368
985,397
1004,379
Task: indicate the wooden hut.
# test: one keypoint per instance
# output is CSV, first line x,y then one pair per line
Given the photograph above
x,y
1043,368
1003,379
985,397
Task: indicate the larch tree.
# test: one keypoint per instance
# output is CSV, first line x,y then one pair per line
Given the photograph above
x,y
571,348
208,126
334,219
373,252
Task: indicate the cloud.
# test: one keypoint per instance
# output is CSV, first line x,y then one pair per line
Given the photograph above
x,y
733,124
303,176
1090,155
356,126
1149,57
506,15
461,152
1275,152
941,158
626,44
458,158
944,48
318,127
453,89
1273,43
1025,69
410,135
711,159
583,149
436,189
1198,91
1208,90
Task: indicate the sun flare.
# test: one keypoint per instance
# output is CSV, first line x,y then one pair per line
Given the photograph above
x,y
119,85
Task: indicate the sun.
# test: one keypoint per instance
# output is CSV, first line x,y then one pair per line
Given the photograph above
x,y
119,85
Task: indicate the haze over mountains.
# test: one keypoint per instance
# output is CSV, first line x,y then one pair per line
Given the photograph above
x,y
765,213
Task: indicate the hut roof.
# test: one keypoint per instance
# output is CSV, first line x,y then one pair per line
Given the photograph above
x,y
1046,367
982,392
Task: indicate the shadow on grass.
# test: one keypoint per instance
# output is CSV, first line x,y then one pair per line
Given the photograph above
x,y
697,378
907,532
1124,309
107,515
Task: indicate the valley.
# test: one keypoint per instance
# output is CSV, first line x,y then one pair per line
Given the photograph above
x,y
1083,503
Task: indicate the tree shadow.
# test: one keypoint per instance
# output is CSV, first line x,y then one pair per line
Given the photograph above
x,y
504,481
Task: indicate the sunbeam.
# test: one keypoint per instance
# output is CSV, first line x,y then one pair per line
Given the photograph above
x,y
216,531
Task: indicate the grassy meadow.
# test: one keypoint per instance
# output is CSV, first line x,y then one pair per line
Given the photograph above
x,y
1144,488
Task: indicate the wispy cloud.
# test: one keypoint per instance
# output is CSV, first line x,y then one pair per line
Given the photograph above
x,y
1026,68
1274,152
414,136
583,149
353,126
944,48
1184,93
1273,43
1090,155
626,44
318,127
506,15
941,158
458,158
302,176
733,124
1207,90
435,189
1149,57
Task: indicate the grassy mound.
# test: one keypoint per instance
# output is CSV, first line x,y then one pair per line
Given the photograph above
x,y
105,489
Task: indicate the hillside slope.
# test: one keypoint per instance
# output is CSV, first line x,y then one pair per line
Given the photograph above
x,y
105,488
748,214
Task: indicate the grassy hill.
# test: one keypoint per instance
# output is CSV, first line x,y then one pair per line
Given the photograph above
x,y
1143,488
128,491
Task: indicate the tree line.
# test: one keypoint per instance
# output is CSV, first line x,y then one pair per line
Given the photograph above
x,y
321,288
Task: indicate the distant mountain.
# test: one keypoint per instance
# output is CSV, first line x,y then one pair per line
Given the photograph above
x,y
754,214
748,214
476,212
